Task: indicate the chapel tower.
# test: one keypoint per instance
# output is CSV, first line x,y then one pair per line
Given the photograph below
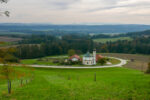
x,y
94,56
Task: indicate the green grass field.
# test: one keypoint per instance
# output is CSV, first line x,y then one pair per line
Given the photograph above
x,y
79,84
37,62
49,61
104,40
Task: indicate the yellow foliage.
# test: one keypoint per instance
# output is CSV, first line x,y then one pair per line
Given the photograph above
x,y
2,42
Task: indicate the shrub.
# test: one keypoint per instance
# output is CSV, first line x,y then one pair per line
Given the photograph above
x,y
148,70
55,61
102,61
40,59
11,59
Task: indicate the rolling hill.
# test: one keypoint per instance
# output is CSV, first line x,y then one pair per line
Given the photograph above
x,y
122,28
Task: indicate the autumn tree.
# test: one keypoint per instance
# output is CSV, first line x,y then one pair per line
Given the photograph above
x,y
7,72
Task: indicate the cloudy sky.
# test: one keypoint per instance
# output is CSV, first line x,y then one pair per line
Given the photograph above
x,y
78,11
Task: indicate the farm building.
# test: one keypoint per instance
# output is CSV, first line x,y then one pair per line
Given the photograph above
x,y
75,58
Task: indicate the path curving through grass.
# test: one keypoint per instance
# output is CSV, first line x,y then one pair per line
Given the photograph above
x,y
122,62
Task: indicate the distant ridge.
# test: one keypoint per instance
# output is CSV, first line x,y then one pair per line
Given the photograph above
x,y
119,28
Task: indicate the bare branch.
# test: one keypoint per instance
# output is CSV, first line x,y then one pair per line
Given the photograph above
x,y
7,13
3,1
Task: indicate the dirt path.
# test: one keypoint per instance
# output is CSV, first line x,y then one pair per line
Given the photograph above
x,y
122,62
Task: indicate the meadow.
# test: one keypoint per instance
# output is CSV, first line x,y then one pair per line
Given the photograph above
x,y
80,84
49,61
104,40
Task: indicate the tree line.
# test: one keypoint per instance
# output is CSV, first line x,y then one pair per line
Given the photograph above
x,y
139,45
46,45
145,33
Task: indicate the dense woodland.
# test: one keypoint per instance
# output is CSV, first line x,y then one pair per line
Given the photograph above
x,y
44,45
47,45
140,45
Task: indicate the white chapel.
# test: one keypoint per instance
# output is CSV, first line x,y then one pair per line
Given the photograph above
x,y
89,59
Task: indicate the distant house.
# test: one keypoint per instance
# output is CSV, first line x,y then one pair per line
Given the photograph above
x,y
75,58
91,59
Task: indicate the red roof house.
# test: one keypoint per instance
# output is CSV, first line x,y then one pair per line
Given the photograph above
x,y
75,58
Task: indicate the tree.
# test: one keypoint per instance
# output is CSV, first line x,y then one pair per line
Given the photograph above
x,y
4,12
7,72
7,56
148,70
102,61
71,52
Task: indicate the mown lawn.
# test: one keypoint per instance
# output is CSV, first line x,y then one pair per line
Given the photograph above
x,y
79,84
49,61
104,40
36,62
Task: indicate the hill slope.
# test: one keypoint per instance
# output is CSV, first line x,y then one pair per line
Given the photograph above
x,y
77,28
63,84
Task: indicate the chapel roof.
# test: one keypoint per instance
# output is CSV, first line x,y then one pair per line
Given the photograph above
x,y
75,56
88,55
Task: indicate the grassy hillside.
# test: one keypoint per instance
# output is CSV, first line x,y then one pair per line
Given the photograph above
x,y
67,84
104,40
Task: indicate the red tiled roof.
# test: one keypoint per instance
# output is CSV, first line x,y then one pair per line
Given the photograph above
x,y
98,56
75,56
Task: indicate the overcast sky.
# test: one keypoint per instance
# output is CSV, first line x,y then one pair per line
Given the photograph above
x,y
78,11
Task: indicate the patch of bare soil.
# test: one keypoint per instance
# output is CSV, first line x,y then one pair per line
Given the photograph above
x,y
9,39
139,62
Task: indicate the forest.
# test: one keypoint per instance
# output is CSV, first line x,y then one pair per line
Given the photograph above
x,y
37,46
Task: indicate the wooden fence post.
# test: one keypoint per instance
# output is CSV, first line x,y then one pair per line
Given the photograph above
x,y
9,87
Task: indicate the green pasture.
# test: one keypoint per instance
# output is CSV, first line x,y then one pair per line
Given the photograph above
x,y
37,62
104,40
49,61
80,84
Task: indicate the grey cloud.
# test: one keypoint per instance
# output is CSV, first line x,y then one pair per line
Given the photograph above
x,y
60,4
78,11
142,5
